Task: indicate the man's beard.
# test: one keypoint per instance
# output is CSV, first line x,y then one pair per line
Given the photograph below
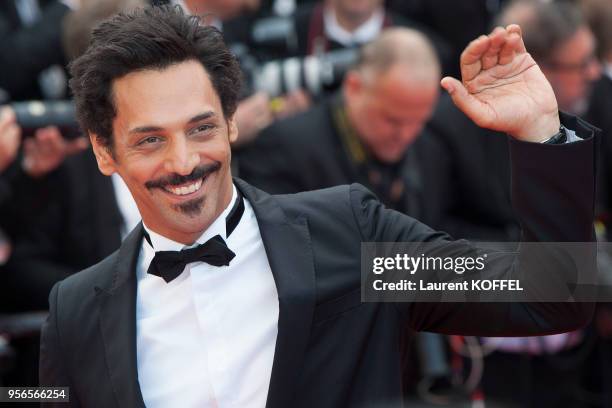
x,y
191,208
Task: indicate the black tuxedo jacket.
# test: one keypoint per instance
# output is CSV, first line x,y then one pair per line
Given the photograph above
x,y
332,350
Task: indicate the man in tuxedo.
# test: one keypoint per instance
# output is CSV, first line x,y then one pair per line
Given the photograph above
x,y
261,306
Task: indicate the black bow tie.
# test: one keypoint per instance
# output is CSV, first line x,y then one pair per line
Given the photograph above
x,y
170,264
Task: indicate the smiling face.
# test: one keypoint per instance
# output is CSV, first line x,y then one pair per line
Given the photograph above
x,y
171,146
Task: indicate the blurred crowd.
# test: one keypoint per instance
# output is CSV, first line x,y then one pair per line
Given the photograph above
x,y
334,92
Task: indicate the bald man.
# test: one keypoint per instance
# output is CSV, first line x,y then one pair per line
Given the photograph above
x,y
370,132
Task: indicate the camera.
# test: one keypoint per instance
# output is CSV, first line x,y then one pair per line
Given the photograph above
x,y
32,115
317,74
272,38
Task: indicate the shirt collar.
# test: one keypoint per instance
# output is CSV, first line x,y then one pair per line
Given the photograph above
x,y
608,69
218,227
364,33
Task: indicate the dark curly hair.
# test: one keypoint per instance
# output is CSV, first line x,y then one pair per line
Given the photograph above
x,y
146,38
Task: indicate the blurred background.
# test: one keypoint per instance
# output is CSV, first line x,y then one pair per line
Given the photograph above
x,y
334,92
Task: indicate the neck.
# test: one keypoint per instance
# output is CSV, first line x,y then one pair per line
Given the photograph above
x,y
351,22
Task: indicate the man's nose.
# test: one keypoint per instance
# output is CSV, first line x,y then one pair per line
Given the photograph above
x,y
181,158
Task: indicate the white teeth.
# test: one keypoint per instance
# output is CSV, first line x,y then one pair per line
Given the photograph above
x,y
184,190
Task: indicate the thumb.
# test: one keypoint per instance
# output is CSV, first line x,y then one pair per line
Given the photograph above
x,y
466,102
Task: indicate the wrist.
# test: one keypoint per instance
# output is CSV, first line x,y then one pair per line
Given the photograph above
x,y
559,138
540,130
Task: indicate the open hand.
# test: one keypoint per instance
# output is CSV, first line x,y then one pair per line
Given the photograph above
x,y
503,88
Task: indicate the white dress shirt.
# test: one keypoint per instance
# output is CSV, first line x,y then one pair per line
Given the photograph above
x,y
207,338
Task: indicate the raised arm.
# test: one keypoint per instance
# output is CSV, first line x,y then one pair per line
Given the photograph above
x,y
553,192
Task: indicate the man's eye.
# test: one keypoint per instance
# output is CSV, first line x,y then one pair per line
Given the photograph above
x,y
202,128
149,140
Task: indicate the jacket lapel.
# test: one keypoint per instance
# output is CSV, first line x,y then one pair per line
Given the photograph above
x,y
289,251
118,323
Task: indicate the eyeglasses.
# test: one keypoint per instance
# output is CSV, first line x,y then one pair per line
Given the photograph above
x,y
581,67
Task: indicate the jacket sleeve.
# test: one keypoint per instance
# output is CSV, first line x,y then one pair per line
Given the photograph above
x,y
553,189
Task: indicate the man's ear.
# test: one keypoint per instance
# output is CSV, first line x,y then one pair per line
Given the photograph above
x,y
353,83
105,160
232,130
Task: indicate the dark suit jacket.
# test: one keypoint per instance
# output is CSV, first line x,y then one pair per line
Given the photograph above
x,y
332,350
306,152
75,226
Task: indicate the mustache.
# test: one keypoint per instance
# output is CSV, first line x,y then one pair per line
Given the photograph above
x,y
177,179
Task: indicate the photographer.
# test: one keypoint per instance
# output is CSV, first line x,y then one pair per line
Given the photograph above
x,y
26,182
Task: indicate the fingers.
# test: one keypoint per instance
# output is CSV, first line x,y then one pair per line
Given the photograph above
x,y
7,117
252,115
497,41
467,103
498,48
257,103
290,104
516,29
9,129
508,52
49,141
470,61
